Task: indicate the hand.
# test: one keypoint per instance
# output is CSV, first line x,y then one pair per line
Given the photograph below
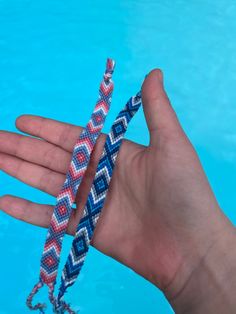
x,y
160,218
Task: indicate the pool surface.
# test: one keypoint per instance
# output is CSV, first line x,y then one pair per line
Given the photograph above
x,y
52,56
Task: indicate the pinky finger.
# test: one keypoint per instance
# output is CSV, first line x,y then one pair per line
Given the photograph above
x,y
30,212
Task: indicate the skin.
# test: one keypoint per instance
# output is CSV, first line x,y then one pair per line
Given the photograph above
x,y
160,218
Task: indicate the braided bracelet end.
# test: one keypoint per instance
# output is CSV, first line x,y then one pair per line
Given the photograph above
x,y
39,306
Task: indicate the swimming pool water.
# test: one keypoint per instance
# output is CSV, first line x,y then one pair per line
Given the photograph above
x,y
52,55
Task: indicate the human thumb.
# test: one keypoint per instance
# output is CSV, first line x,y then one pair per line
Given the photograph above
x,y
160,116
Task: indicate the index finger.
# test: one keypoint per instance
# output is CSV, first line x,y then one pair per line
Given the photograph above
x,y
58,133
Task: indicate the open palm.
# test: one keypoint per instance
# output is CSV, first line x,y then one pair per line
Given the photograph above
x,y
159,200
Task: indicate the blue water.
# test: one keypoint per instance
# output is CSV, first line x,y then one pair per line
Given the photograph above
x,y
52,55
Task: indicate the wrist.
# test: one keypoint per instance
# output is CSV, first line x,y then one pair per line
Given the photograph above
x,y
210,286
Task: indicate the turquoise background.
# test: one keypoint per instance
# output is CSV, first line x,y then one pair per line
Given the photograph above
x,y
52,56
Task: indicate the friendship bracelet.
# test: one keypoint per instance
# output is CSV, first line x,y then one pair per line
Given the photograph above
x,y
95,201
62,211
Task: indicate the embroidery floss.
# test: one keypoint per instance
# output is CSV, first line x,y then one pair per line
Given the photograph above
x,y
96,199
62,211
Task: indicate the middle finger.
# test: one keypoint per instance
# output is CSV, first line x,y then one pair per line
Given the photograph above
x,y
35,151
36,176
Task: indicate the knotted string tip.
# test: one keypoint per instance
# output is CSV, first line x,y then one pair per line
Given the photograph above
x,y
38,306
110,66
61,307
